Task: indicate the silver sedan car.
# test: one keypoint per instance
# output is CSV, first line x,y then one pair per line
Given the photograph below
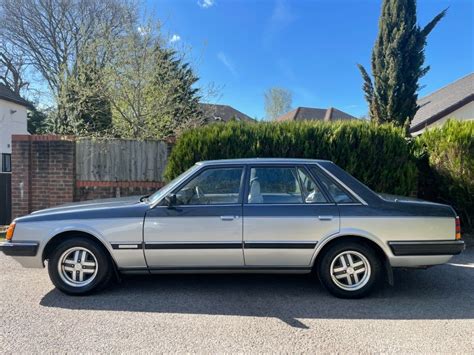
x,y
244,215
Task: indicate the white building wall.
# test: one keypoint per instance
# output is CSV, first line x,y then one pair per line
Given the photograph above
x,y
13,120
465,113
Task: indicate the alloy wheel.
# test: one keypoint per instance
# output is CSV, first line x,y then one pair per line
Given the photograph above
x,y
350,270
77,266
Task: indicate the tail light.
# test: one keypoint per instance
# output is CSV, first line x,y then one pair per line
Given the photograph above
x,y
10,230
458,228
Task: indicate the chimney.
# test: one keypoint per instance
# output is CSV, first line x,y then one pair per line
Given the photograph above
x,y
327,116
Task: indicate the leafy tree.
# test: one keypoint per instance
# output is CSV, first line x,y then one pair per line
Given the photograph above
x,y
151,89
37,121
277,102
86,107
397,63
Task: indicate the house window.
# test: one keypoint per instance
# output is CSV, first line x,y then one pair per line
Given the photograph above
x,y
6,163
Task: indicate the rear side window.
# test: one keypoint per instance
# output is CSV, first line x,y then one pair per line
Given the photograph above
x,y
274,185
282,185
336,192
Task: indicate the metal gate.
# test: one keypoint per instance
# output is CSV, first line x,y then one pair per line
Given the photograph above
x,y
5,198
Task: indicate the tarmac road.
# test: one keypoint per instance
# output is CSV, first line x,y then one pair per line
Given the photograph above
x,y
426,311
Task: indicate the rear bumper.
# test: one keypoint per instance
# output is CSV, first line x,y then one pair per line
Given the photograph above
x,y
19,248
415,248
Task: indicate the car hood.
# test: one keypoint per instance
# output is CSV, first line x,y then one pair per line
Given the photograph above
x,y
108,203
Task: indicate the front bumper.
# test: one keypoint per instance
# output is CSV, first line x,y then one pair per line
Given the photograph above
x,y
19,248
415,248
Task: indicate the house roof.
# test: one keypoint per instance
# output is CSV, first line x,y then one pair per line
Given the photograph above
x,y
8,95
317,114
223,113
442,102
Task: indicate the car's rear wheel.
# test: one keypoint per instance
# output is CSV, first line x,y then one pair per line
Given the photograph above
x,y
349,270
79,266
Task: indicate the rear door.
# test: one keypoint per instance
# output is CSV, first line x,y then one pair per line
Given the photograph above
x,y
285,213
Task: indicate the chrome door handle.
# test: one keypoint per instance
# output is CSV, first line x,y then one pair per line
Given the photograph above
x,y
325,218
228,218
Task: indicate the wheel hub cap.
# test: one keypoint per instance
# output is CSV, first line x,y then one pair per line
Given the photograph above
x,y
77,267
350,270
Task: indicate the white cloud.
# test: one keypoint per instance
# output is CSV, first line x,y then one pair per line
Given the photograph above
x,y
281,17
175,38
206,3
227,63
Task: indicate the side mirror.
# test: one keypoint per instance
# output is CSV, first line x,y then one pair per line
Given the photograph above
x,y
171,200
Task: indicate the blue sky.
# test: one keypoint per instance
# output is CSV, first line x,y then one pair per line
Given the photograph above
x,y
309,47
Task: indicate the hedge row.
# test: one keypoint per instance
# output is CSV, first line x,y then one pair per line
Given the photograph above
x,y
379,156
446,164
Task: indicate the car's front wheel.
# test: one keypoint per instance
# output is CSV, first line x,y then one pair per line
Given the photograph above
x,y
349,270
79,266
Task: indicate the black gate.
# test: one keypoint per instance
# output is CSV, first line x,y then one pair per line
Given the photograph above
x,y
5,198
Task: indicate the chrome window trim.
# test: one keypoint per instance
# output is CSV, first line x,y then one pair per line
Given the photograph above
x,y
361,200
245,187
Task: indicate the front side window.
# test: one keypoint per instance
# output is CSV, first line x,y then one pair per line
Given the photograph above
x,y
336,192
212,187
282,185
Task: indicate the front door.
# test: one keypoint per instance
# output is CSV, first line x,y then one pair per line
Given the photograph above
x,y
203,227
286,213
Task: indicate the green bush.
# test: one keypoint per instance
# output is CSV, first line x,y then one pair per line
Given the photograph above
x,y
446,162
377,155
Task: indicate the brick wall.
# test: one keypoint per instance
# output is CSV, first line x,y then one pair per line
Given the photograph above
x,y
42,172
21,162
44,175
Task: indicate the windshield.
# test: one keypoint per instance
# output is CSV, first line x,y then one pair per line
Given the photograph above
x,y
158,195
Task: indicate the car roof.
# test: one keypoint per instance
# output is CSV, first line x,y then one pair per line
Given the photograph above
x,y
261,161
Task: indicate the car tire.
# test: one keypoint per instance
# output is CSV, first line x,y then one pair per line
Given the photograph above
x,y
79,266
350,269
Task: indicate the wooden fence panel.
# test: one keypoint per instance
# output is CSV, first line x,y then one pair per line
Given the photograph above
x,y
120,160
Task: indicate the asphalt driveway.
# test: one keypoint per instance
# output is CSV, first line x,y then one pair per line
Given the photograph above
x,y
427,311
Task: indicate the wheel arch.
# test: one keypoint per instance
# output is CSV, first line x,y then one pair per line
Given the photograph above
x,y
353,237
64,235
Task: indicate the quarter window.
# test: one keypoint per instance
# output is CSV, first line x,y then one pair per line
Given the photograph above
x,y
336,192
288,185
311,192
211,187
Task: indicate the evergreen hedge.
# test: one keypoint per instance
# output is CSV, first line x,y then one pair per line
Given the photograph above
x,y
379,156
446,164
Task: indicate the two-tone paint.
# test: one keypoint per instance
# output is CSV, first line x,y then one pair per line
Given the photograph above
x,y
144,236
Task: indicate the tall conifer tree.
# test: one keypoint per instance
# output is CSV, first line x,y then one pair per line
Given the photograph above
x,y
397,63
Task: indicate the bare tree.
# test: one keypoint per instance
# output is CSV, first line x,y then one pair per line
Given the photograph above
x,y
51,33
13,65
277,102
